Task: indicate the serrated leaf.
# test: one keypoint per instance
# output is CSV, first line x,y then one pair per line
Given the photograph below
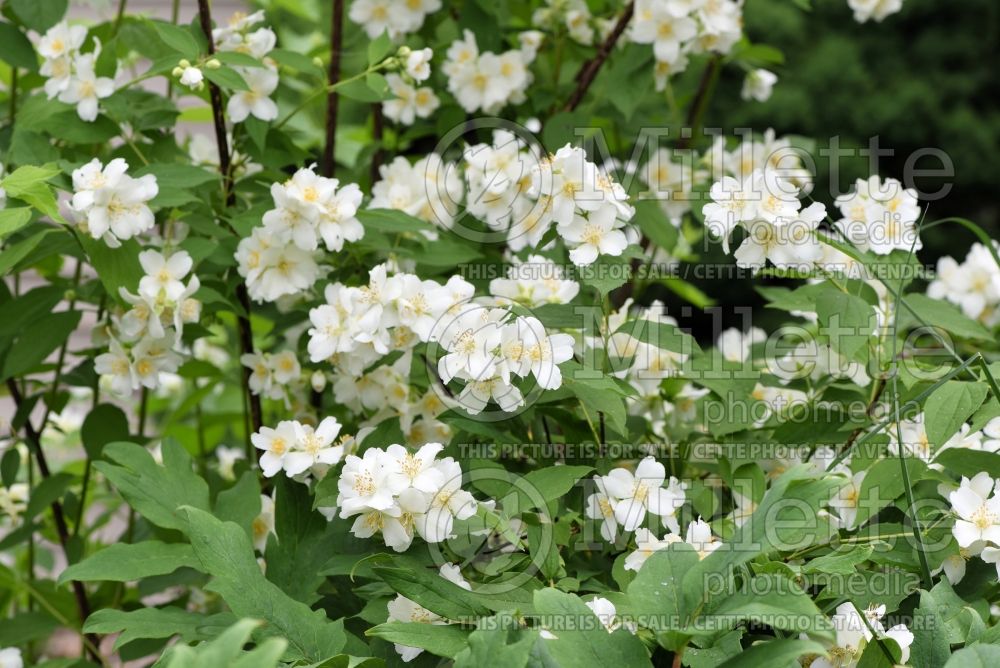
x,y
123,562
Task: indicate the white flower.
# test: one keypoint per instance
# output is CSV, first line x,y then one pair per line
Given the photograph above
x,y
978,512
366,483
164,275
594,235
789,244
113,202
449,503
11,658
191,77
227,460
276,443
117,364
880,216
417,469
608,614
758,85
699,536
418,64
973,285
847,498
734,344
534,282
61,40
313,446
601,506
85,88
646,544
732,202
853,635
655,24
274,267
874,9
643,491
409,102
254,102
263,524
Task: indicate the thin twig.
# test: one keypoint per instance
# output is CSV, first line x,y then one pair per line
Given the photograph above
x,y
328,164
585,77
378,134
35,444
225,168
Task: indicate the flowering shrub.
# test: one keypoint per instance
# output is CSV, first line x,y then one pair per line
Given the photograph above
x,y
375,345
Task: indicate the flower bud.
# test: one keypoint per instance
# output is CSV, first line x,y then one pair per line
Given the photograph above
x,y
184,62
318,381
213,64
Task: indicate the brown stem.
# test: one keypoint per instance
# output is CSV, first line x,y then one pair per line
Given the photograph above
x,y
225,168
378,128
700,102
585,77
35,443
333,76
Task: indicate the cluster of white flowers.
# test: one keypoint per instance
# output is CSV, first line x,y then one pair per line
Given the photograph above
x,y
973,285
429,189
298,448
777,229
72,75
677,29
272,374
278,258
623,498
880,216
874,9
396,17
239,37
411,102
487,81
112,204
402,609
145,341
854,632
359,325
485,347
535,281
916,442
673,177
400,494
571,15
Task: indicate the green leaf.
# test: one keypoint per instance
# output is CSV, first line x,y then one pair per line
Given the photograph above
x,y
500,642
116,267
967,462
607,273
26,627
941,314
379,48
392,221
657,592
39,15
598,395
432,591
179,39
241,502
778,652
226,77
848,320
446,641
122,562
11,220
105,424
154,491
304,543
547,484
654,224
663,335
15,48
582,640
947,409
30,184
775,601
883,484
841,562
930,647
227,650
977,656
10,464
33,346
178,184
156,623
237,59
226,553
